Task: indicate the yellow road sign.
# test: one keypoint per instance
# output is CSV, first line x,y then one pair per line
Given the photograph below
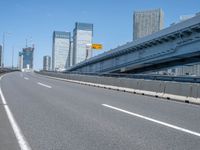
x,y
97,46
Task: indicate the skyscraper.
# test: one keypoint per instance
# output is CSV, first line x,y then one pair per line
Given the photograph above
x,y
147,22
46,63
20,61
28,57
60,51
82,36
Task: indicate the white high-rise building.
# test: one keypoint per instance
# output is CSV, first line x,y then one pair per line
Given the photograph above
x,y
147,22
46,63
60,51
82,36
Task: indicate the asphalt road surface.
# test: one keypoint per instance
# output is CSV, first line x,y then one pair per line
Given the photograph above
x,y
58,115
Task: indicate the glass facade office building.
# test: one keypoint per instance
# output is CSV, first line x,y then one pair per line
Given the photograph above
x,y
60,51
47,63
28,57
147,22
82,36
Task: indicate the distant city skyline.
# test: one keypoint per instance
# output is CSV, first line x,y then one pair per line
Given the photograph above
x,y
36,20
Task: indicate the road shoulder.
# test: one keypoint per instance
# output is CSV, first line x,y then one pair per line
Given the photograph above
x,y
8,140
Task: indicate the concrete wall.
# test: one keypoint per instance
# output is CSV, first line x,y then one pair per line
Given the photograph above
x,y
186,92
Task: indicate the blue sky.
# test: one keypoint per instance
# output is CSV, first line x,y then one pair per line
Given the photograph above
x,y
35,20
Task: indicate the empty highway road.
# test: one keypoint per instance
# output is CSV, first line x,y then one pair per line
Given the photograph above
x,y
58,115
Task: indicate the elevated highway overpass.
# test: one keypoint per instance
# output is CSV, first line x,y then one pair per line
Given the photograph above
x,y
176,45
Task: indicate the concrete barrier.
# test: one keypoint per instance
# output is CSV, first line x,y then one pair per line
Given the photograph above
x,y
129,83
150,87
194,91
178,91
195,97
198,91
186,92
177,88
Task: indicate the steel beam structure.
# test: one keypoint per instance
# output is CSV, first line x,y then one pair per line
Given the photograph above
x,y
176,45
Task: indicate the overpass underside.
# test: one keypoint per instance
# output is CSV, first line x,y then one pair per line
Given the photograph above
x,y
155,66
176,45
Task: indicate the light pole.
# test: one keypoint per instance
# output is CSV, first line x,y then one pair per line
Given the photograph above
x,y
2,57
12,56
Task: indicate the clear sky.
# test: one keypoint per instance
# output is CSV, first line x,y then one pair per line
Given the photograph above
x,y
36,20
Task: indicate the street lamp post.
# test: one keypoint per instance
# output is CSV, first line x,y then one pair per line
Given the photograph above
x,y
3,47
12,56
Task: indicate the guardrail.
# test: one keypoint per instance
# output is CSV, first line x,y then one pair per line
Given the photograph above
x,y
7,70
180,91
190,79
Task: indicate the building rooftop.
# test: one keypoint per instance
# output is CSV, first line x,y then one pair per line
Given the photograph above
x,y
83,26
61,34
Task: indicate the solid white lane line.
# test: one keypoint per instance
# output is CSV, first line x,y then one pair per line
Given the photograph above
x,y
26,78
44,85
18,133
154,120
